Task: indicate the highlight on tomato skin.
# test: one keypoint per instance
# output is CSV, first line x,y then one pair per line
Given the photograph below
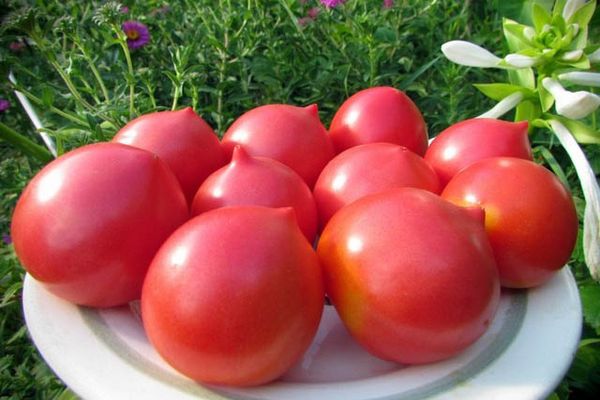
x,y
471,140
291,135
234,297
411,275
182,139
530,217
260,181
379,114
89,223
367,169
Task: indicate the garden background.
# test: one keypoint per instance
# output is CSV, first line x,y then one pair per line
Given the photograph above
x,y
224,57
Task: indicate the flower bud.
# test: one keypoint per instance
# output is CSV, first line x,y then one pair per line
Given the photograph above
x,y
581,78
469,54
574,105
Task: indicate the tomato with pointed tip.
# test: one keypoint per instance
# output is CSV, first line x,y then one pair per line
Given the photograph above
x,y
258,181
412,276
291,135
530,217
472,140
89,223
368,169
379,114
234,296
182,139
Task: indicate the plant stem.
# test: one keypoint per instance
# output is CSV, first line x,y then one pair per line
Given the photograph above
x,y
24,144
123,42
94,70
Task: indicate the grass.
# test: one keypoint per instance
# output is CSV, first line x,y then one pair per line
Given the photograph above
x,y
222,58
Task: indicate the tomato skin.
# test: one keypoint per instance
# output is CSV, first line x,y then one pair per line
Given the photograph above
x,y
258,181
235,296
379,114
530,216
471,140
182,139
412,276
291,135
368,169
88,224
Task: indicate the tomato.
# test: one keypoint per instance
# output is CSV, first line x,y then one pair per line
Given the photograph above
x,y
234,296
368,169
258,181
182,139
89,223
379,114
530,217
291,135
475,139
412,276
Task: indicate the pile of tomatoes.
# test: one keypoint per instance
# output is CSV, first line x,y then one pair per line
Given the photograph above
x,y
233,245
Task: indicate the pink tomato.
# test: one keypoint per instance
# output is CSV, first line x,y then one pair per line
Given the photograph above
x,y
89,223
475,139
530,217
368,169
182,139
379,114
412,276
234,296
291,135
258,181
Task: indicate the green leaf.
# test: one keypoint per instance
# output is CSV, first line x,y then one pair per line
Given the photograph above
x,y
582,63
521,10
527,111
580,41
584,15
522,77
513,32
559,5
498,91
546,99
540,17
579,130
517,31
385,34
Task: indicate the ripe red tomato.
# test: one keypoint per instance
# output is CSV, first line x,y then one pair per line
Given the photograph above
x,y
234,296
291,135
475,139
89,223
412,276
530,217
182,139
368,169
258,181
379,114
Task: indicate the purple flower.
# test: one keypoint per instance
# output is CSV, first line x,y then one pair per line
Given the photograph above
x,y
124,9
304,21
388,3
6,239
332,3
4,105
137,34
16,46
313,12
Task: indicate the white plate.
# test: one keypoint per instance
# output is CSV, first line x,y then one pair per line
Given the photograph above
x,y
104,354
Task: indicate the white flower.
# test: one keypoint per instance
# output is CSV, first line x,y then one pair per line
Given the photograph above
x,y
503,106
469,54
581,78
591,193
571,8
574,105
521,61
573,55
